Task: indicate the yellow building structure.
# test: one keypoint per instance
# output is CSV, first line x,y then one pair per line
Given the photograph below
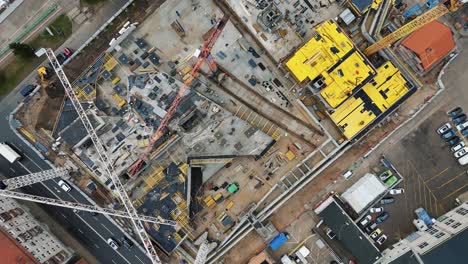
x,y
357,94
374,99
331,63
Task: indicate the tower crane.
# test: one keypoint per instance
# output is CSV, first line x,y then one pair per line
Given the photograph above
x,y
413,25
7,185
106,162
82,207
25,180
204,56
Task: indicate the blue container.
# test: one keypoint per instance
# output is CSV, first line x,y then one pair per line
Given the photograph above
x,y
278,241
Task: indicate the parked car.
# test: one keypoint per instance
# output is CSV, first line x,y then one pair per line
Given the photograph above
x,y
462,126
27,90
381,239
376,233
396,191
385,175
454,112
459,119
460,153
458,146
382,217
464,132
453,141
387,200
67,52
64,185
376,210
448,134
444,128
365,220
112,243
371,227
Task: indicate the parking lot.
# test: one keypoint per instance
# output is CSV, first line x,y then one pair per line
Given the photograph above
x,y
432,177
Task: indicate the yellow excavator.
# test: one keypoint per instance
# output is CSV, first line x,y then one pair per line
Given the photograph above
x,y
44,74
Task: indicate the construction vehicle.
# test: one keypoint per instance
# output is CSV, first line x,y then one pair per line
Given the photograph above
x,y
205,55
434,13
44,74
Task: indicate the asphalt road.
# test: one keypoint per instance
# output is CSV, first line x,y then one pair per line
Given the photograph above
x,y
91,231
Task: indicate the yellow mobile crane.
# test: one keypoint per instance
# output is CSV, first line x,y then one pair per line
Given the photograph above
x,y
413,25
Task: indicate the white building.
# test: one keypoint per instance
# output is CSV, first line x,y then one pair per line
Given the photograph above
x,y
32,235
444,242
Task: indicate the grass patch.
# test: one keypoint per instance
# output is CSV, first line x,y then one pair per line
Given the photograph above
x,y
18,68
62,29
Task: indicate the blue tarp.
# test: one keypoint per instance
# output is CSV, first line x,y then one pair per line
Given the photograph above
x,y
278,241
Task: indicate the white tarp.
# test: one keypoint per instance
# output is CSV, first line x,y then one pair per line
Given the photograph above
x,y
364,192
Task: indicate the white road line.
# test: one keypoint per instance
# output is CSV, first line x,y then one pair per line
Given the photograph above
x,y
63,215
139,259
96,245
12,170
107,229
79,230
103,239
114,262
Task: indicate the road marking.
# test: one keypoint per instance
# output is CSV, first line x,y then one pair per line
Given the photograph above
x,y
79,230
102,238
63,215
451,180
437,175
139,259
12,170
114,262
96,245
106,228
452,193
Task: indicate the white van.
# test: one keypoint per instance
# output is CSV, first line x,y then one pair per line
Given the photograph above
x,y
463,160
347,174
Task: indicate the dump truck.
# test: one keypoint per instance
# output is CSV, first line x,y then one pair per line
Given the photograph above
x,y
8,153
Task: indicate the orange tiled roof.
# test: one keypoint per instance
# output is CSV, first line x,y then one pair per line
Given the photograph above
x,y
431,43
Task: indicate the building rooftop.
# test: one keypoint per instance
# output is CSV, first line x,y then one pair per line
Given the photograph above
x,y
12,252
409,257
352,238
451,251
332,63
431,43
361,6
375,98
321,52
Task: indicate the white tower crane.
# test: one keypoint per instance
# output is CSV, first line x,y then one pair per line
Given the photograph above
x,y
205,248
25,180
119,188
83,207
21,181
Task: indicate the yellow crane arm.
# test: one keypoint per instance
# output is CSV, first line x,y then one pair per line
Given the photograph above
x,y
407,29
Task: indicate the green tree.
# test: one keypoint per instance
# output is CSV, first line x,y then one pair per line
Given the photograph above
x,y
22,50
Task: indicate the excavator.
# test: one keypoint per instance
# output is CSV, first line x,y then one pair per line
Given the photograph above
x,y
44,74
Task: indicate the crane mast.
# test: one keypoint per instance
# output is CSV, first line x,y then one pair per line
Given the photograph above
x,y
204,56
25,180
82,207
119,188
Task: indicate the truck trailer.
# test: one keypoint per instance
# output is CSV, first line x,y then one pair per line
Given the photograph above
x,y
8,153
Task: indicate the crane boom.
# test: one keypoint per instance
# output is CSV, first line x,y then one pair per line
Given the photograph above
x,y
25,180
119,188
82,207
205,53
407,29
